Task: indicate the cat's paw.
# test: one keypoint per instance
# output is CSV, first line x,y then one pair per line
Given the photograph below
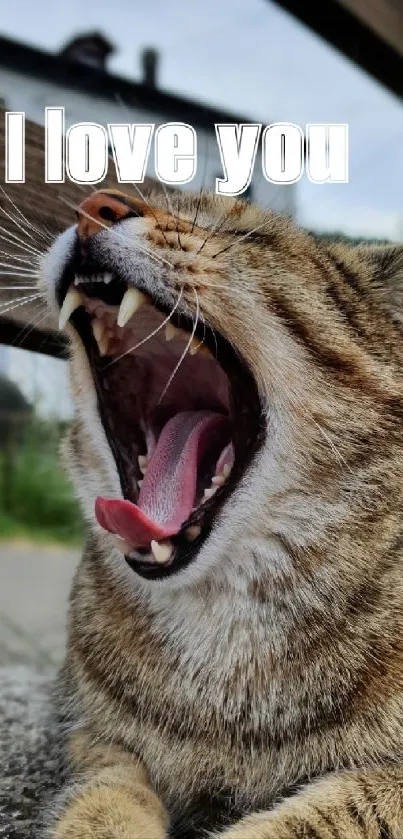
x,y
102,813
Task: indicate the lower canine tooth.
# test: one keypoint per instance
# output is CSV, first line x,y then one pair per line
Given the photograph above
x,y
162,551
193,532
103,344
131,302
170,331
226,470
218,480
143,463
98,329
208,493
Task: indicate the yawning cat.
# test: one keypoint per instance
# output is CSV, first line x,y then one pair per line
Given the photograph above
x,y
235,650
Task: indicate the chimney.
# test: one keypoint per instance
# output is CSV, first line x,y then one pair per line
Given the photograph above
x,y
149,62
91,48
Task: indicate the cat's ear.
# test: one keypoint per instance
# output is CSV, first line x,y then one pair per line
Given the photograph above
x,y
385,263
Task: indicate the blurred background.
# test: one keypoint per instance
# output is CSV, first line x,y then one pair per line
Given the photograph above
x,y
220,60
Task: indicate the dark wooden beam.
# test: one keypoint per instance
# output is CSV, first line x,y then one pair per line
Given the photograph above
x,y
50,208
27,337
358,32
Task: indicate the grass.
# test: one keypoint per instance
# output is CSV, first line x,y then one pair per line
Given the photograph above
x,y
36,498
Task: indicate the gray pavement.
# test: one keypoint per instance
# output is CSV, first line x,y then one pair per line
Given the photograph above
x,y
34,588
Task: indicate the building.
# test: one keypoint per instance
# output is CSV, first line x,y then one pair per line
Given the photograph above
x,y
78,79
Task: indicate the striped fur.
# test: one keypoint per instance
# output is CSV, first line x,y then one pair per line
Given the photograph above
x,y
259,693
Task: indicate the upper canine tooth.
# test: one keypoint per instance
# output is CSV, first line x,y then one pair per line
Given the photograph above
x,y
132,300
162,551
72,301
170,331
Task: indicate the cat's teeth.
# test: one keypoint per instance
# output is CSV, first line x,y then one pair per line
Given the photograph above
x,y
218,480
226,470
98,328
162,551
140,484
102,335
131,302
107,277
193,532
170,331
104,343
72,301
194,346
143,463
208,493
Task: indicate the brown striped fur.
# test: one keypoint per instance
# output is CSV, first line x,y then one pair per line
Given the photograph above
x,y
258,694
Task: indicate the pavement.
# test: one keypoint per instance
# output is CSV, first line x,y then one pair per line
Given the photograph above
x,y
34,588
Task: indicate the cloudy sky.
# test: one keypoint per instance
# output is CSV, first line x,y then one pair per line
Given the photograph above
x,y
252,58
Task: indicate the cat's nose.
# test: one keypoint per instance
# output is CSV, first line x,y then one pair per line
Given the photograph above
x,y
103,209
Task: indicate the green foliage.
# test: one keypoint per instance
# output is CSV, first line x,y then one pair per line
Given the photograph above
x,y
36,498
348,240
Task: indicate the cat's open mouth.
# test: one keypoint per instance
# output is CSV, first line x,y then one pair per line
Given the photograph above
x,y
180,411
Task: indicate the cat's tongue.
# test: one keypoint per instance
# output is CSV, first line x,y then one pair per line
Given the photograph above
x,y
168,492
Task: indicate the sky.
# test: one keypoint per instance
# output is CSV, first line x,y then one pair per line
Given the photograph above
x,y
252,58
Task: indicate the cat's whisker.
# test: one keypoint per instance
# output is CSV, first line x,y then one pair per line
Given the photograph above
x,y
20,302
185,351
22,276
216,227
147,251
24,259
15,221
142,196
19,269
47,237
33,324
334,448
242,238
17,242
151,334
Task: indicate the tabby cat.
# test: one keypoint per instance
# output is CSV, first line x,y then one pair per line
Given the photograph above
x,y
235,644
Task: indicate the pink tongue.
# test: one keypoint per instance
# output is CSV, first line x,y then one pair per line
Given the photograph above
x,y
168,493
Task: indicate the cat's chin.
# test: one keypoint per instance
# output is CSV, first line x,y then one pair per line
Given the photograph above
x,y
180,411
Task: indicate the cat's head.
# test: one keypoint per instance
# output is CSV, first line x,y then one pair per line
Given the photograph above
x,y
229,373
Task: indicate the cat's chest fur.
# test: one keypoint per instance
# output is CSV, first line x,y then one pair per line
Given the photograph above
x,y
198,684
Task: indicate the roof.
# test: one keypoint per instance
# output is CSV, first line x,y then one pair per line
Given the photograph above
x,y
39,64
370,34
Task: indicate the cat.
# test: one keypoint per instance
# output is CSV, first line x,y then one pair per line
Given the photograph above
x,y
234,665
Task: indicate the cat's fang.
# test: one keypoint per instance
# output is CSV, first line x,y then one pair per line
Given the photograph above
x,y
162,551
143,463
72,301
98,329
131,302
170,331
